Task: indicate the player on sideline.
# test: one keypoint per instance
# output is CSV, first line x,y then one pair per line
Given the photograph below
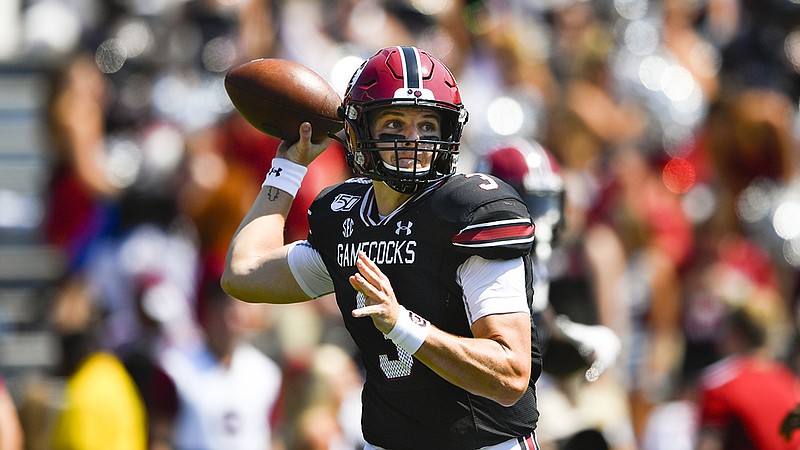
x,y
409,235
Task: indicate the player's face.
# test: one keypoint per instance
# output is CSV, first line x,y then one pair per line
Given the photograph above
x,y
406,123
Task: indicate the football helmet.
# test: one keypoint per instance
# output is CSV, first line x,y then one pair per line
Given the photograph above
x,y
402,76
535,174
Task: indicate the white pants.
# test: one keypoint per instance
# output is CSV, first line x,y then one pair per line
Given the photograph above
x,y
522,443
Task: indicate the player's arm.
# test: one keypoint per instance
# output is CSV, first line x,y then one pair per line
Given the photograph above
x,y
256,267
495,363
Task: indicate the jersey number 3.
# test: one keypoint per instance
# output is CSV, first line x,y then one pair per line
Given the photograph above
x,y
392,368
488,183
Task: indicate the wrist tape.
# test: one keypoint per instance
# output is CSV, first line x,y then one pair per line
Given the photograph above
x,y
285,175
410,331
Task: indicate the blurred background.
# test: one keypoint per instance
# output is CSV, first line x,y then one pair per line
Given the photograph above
x,y
124,171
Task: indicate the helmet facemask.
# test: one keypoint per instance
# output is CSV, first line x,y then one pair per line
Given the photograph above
x,y
547,210
365,149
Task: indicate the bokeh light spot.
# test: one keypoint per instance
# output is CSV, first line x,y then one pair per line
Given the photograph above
x,y
505,116
219,54
792,48
785,220
791,252
678,175
110,56
753,203
699,203
343,70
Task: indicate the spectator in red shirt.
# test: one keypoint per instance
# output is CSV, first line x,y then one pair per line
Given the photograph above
x,y
745,396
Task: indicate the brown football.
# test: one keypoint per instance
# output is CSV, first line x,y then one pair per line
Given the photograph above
x,y
277,95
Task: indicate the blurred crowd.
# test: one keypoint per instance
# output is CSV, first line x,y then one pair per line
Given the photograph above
x,y
675,124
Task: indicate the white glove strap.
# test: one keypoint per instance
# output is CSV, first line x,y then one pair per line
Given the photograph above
x,y
285,175
409,331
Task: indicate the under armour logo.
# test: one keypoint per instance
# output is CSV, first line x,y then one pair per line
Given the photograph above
x,y
403,229
347,227
275,171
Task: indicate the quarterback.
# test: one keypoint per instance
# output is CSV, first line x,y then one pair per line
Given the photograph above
x,y
430,268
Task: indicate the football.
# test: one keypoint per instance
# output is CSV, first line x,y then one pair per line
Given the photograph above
x,y
277,95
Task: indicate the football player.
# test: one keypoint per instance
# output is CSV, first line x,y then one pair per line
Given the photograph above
x,y
430,268
573,342
571,324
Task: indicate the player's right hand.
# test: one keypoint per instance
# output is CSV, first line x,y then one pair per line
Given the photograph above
x,y
380,302
304,151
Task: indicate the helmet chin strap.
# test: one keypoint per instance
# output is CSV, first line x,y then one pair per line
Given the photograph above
x,y
406,187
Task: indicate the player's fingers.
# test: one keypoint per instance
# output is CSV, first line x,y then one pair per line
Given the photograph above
x,y
366,311
370,270
312,149
303,146
364,286
304,151
305,134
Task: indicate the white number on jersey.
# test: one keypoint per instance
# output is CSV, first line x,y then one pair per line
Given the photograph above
x,y
392,368
488,183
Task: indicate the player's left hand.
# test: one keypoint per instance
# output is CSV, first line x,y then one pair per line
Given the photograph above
x,y
381,303
598,344
790,423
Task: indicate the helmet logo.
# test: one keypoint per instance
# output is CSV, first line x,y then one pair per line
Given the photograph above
x,y
352,114
359,158
424,94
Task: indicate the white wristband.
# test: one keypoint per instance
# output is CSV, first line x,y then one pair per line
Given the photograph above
x,y
285,175
410,331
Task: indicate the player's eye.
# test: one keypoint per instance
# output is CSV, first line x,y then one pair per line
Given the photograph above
x,y
393,125
429,128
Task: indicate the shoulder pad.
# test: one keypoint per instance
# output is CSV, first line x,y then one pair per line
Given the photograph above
x,y
492,220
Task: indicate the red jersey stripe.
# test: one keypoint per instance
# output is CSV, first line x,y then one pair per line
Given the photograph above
x,y
492,234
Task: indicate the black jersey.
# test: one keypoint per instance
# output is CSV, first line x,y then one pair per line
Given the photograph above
x,y
420,247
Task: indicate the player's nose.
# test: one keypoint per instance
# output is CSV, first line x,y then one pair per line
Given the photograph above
x,y
412,134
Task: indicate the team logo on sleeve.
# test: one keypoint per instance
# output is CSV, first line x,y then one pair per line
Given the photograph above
x,y
344,202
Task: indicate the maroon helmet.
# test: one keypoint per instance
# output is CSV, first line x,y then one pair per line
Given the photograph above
x,y
402,76
534,173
